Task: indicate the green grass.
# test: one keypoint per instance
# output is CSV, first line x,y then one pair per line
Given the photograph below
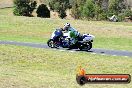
x,y
22,38
22,67
32,29
113,43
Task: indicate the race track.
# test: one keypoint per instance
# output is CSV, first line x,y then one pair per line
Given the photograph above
x,y
92,51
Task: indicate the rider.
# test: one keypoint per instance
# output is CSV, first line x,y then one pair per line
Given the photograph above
x,y
72,32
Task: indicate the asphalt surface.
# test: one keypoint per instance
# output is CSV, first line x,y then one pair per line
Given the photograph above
x,y
92,51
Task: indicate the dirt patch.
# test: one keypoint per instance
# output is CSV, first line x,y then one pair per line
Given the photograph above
x,y
6,3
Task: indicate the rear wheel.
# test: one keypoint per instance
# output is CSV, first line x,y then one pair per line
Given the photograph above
x,y
89,46
86,46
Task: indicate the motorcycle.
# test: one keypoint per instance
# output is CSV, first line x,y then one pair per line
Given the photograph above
x,y
60,39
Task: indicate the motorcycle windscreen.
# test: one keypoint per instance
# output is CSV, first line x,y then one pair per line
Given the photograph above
x,y
58,33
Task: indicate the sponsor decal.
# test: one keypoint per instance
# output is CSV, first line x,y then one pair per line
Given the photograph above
x,y
83,78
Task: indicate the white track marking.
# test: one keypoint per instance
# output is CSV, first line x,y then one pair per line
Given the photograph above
x,y
114,55
54,49
103,54
94,53
62,50
72,51
125,56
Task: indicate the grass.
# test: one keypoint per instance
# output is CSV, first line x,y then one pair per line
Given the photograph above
x,y
22,67
28,29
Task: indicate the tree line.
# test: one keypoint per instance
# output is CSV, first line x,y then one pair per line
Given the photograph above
x,y
80,9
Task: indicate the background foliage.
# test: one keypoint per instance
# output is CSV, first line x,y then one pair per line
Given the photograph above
x,y
80,9
24,7
43,11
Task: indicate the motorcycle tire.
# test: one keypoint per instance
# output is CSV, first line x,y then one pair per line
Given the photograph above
x,y
87,46
50,43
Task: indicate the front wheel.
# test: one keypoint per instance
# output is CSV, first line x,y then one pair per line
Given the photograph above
x,y
50,43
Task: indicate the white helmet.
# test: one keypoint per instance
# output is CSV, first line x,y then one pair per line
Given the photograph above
x,y
66,26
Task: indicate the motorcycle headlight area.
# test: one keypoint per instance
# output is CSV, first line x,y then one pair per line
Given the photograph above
x,y
89,38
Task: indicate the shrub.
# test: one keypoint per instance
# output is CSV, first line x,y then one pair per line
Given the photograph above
x,y
88,9
62,14
116,7
128,12
60,6
125,13
77,8
103,15
75,11
24,7
98,11
43,11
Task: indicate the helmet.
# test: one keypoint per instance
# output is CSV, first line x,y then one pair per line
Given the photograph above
x,y
66,26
